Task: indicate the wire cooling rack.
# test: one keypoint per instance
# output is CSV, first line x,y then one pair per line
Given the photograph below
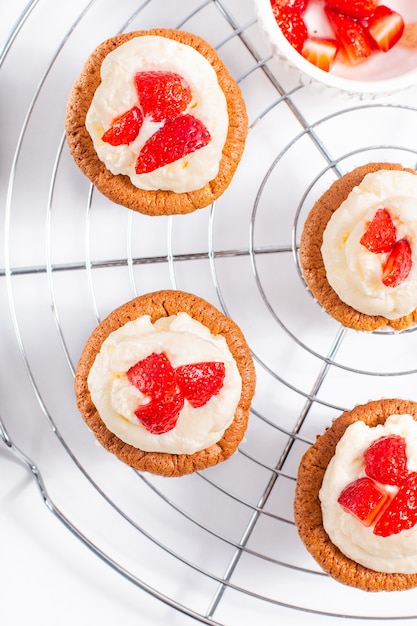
x,y
219,546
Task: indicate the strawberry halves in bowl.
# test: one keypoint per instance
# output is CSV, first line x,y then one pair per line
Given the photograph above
x,y
361,47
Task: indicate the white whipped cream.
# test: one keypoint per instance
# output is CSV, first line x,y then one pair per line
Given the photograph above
x,y
353,271
396,553
117,94
184,341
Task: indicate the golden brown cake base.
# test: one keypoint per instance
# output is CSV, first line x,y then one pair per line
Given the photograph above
x,y
119,188
312,261
409,36
307,508
163,304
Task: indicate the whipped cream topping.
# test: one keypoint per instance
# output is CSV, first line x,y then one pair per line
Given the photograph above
x,y
353,271
393,554
117,94
183,340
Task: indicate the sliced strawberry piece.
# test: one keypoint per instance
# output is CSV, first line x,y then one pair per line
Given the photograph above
x,y
351,35
154,376
125,128
381,234
292,26
320,51
401,513
178,137
398,264
162,94
386,27
354,8
363,499
160,415
298,5
199,382
386,460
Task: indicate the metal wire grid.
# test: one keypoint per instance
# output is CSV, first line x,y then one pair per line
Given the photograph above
x,y
220,546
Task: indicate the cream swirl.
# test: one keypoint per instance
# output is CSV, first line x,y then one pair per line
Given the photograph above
x,y
352,270
117,94
183,340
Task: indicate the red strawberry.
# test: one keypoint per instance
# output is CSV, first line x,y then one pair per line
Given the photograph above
x,y
125,128
352,36
292,26
354,8
380,235
154,376
178,137
363,499
398,264
320,52
199,382
162,94
160,415
298,5
401,513
386,460
386,27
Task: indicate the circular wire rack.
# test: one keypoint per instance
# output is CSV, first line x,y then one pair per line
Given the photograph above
x,y
218,546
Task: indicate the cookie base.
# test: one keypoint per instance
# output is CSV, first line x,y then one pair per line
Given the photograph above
x,y
312,261
307,507
157,305
119,188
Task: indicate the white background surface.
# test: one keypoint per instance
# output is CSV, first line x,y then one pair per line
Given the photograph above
x,y
48,576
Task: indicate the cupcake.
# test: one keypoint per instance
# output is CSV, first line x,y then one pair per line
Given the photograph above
x,y
355,497
156,121
165,383
358,248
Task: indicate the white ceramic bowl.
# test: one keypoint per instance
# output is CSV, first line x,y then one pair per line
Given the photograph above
x,y
382,74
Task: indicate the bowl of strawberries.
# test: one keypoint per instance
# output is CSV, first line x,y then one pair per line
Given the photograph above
x,y
363,47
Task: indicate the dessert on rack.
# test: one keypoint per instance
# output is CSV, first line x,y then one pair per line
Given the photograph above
x,y
165,383
356,493
358,248
156,121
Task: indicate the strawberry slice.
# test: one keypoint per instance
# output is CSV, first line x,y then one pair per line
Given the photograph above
x,y
167,388
386,27
292,26
401,513
199,382
160,415
320,51
162,94
125,128
352,36
298,5
354,8
363,499
398,264
177,137
154,376
381,234
386,460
